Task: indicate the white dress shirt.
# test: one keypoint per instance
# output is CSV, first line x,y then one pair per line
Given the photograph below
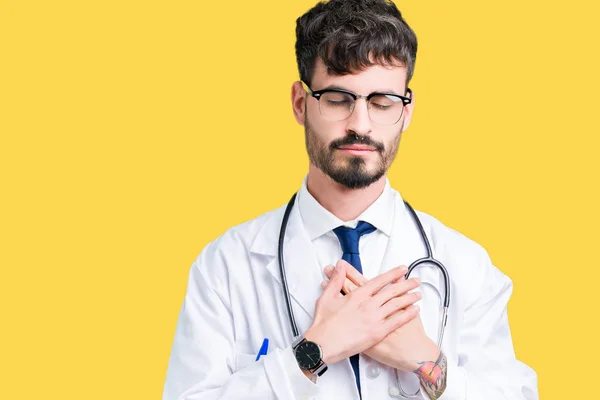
x,y
319,224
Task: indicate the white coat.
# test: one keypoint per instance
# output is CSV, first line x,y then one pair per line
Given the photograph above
x,y
235,299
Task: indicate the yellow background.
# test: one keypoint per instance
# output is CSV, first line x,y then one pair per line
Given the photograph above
x,y
134,132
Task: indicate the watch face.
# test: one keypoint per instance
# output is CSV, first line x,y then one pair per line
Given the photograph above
x,y
308,355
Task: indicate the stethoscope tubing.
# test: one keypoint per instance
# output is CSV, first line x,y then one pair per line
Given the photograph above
x,y
286,291
425,260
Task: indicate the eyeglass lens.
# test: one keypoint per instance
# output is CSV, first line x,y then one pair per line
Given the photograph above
x,y
383,109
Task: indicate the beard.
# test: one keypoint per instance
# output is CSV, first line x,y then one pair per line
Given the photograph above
x,y
351,172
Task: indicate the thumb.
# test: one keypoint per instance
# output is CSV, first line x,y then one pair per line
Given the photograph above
x,y
337,280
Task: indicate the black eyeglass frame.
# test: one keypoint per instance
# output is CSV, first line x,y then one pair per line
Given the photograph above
x,y
317,94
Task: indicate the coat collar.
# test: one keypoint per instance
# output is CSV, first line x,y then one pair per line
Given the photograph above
x,y
318,221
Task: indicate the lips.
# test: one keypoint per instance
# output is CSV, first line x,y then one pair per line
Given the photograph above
x,y
356,147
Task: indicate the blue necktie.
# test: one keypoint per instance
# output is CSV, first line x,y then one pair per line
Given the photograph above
x,y
349,239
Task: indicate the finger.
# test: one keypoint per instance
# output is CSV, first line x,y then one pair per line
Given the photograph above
x,y
348,286
329,270
336,282
399,303
326,282
404,276
352,275
347,265
376,284
356,277
395,290
400,318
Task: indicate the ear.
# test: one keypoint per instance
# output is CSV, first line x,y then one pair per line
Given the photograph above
x,y
299,97
408,111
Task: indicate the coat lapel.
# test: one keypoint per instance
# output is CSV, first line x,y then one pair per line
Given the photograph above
x,y
405,245
302,271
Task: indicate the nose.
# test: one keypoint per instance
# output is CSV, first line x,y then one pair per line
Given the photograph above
x,y
359,121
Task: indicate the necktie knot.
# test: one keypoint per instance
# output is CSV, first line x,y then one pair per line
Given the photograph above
x,y
349,237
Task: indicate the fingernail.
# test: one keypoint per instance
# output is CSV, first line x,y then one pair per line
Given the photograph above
x,y
329,268
418,280
323,284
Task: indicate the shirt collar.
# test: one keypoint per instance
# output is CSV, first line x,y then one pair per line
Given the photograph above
x,y
318,221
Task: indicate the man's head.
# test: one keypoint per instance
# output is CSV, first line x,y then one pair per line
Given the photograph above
x,y
362,47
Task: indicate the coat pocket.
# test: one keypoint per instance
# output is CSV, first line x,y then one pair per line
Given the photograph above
x,y
242,360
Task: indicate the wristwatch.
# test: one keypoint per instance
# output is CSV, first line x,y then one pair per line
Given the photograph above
x,y
309,356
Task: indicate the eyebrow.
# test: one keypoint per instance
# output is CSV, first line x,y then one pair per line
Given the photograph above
x,y
386,91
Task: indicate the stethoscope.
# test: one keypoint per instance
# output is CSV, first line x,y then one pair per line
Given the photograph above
x,y
393,391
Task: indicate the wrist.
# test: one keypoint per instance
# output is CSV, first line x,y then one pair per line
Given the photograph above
x,y
312,335
429,353
309,357
311,377
433,376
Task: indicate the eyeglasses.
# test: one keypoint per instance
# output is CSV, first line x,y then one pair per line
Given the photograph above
x,y
338,104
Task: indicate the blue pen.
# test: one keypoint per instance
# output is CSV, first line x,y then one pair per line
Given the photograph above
x,y
263,349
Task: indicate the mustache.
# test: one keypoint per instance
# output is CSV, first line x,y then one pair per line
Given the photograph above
x,y
356,139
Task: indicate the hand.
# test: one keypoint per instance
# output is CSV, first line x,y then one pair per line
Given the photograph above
x,y
347,325
407,347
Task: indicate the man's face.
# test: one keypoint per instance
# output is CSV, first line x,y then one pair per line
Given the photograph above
x,y
354,152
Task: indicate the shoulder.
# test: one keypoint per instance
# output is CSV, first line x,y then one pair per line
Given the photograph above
x,y
232,247
242,236
468,262
449,241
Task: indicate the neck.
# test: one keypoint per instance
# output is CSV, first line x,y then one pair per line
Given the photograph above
x,y
346,204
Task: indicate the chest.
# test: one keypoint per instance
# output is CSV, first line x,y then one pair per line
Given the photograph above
x,y
260,311
372,248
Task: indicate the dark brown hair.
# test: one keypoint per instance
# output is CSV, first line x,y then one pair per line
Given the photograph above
x,y
350,35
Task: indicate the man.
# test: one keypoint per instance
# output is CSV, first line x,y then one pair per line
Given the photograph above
x,y
364,330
